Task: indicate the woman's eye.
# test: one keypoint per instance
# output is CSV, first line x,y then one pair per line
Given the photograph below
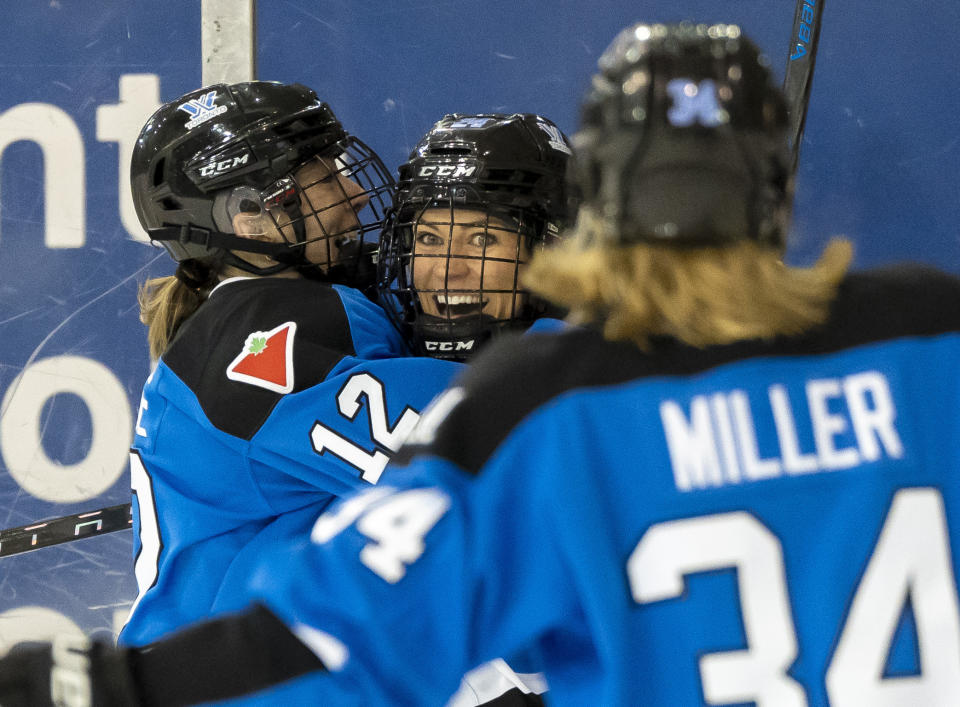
x,y
429,239
481,240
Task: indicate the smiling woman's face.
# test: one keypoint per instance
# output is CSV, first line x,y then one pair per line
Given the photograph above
x,y
469,266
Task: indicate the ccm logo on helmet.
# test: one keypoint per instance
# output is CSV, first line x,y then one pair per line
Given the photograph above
x,y
214,168
447,170
448,345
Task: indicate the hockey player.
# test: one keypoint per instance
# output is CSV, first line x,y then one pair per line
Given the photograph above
x,y
258,193
478,197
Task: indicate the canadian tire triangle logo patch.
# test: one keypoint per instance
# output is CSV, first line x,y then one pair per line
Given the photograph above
x,y
267,359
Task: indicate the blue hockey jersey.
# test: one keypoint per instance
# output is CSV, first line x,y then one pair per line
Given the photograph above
x,y
276,397
770,523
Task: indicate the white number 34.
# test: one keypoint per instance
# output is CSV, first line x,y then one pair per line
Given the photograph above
x,y
912,557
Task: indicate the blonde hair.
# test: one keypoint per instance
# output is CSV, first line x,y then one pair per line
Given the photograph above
x,y
701,296
166,302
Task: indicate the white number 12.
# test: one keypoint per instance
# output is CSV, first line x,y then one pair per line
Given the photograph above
x,y
911,557
370,464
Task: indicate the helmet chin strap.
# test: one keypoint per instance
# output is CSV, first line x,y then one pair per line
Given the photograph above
x,y
455,339
218,240
238,262
459,338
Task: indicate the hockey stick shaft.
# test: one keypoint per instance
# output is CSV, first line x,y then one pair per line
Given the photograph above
x,y
804,40
14,541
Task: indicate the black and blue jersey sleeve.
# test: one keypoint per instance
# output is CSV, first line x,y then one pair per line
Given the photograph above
x,y
218,334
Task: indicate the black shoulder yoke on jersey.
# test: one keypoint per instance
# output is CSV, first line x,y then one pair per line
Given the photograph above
x,y
209,341
517,375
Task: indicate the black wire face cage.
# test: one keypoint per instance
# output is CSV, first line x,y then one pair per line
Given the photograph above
x,y
449,273
329,211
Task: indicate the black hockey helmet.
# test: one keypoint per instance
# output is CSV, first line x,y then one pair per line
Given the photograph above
x,y
683,139
476,197
228,149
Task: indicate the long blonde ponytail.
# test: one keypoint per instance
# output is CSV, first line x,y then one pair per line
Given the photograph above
x,y
166,302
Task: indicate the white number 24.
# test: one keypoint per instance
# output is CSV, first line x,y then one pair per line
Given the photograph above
x,y
912,557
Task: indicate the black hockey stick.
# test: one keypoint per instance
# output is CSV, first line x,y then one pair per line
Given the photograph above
x,y
13,541
804,39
